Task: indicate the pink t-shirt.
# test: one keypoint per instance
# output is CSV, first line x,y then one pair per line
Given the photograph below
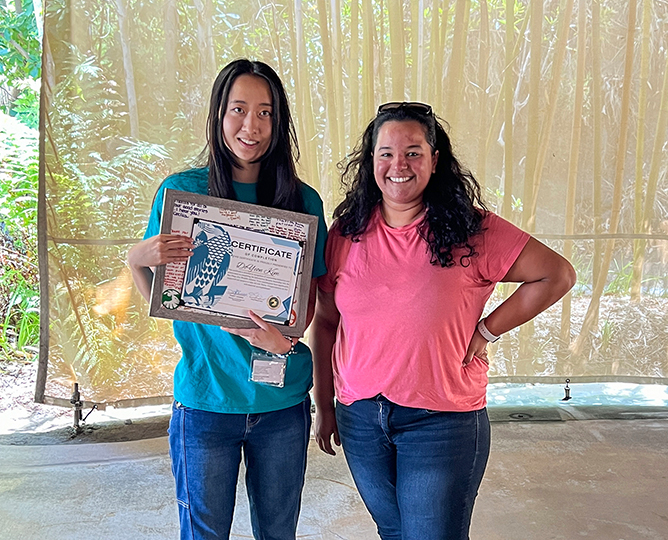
x,y
405,323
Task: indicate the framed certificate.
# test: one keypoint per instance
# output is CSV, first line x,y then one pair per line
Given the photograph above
x,y
246,257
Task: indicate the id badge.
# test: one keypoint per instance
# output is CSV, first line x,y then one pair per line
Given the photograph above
x,y
267,368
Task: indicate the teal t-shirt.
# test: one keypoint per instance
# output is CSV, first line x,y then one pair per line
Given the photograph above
x,y
214,370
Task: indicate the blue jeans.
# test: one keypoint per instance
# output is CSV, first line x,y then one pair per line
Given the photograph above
x,y
206,448
418,471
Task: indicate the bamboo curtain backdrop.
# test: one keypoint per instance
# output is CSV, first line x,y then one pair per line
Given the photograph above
x,y
558,106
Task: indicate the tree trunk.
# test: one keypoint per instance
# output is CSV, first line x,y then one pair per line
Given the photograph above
x,y
435,52
305,101
533,106
337,72
456,64
598,136
638,245
204,41
397,49
483,69
382,55
565,334
440,55
657,157
415,30
133,111
599,285
421,86
298,93
557,66
508,86
524,364
353,74
330,93
500,96
368,68
275,34
171,27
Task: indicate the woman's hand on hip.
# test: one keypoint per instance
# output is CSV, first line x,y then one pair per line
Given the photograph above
x,y
325,428
477,347
160,249
265,336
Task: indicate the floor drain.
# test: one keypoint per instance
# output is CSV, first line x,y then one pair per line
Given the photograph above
x,y
520,416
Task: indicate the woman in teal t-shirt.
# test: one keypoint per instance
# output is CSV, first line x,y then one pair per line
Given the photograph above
x,y
218,412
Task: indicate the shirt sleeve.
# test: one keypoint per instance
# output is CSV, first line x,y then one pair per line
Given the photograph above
x,y
502,242
336,253
313,206
153,227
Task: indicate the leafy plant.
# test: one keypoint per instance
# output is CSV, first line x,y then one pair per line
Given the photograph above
x,y
19,332
621,279
19,292
607,335
20,62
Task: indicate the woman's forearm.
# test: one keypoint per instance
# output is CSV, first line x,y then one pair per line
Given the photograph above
x,y
323,336
530,299
143,278
155,251
323,376
545,277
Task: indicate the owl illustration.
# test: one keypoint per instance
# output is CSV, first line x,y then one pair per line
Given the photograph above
x,y
208,265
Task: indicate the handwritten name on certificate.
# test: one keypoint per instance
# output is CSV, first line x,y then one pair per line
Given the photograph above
x,y
233,270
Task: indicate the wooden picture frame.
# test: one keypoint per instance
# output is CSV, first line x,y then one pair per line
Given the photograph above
x,y
246,256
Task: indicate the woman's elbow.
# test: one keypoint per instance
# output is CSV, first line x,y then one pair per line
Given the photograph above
x,y
565,277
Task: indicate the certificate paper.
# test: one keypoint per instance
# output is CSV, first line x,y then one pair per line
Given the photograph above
x,y
233,270
245,257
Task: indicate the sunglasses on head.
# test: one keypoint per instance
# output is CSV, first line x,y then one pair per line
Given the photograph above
x,y
413,106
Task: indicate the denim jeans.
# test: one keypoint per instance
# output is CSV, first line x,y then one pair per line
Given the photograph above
x,y
418,471
206,448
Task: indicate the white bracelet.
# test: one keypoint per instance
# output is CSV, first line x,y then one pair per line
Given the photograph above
x,y
484,332
293,345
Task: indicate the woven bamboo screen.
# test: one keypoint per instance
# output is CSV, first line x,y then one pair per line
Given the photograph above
x,y
559,107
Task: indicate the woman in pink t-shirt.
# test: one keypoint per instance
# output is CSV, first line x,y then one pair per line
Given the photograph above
x,y
412,258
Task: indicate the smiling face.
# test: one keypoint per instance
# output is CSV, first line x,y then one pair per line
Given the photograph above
x,y
247,119
403,163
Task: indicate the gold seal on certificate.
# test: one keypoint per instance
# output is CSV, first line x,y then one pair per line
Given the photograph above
x,y
245,257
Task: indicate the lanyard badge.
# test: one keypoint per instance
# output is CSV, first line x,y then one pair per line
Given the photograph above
x,y
268,368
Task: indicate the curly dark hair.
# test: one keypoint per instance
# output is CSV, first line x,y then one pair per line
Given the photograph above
x,y
452,198
278,184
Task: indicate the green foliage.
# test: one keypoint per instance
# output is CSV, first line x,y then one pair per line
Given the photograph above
x,y
19,291
621,279
20,63
607,333
99,187
99,183
19,328
26,105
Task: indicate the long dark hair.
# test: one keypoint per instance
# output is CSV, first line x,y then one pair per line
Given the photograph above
x,y
452,198
278,184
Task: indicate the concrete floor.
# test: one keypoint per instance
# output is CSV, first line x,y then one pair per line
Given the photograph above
x,y
595,479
